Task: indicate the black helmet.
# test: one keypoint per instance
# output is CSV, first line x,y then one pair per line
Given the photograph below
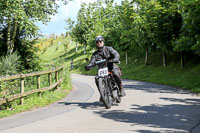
x,y
99,38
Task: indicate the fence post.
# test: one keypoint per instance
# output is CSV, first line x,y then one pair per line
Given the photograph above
x,y
56,78
50,82
22,89
38,84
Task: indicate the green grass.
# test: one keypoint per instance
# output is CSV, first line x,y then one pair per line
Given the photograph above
x,y
187,78
34,101
170,75
54,51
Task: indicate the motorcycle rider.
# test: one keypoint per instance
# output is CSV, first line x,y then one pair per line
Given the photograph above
x,y
108,53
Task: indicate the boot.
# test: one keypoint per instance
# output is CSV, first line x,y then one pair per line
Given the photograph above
x,y
123,93
100,100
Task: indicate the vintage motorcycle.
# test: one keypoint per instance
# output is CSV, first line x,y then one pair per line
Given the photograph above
x,y
106,84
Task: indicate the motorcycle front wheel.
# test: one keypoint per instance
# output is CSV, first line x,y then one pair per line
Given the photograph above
x,y
104,92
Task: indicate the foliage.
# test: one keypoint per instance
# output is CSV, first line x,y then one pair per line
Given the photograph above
x,y
25,48
189,38
10,64
70,24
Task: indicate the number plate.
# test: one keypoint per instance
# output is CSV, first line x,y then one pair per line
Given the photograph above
x,y
103,72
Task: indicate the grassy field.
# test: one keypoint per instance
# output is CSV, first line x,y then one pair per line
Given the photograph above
x,y
171,75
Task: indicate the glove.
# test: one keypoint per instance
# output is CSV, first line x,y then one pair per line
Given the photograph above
x,y
88,67
110,61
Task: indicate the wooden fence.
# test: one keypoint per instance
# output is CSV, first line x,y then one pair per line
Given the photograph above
x,y
39,90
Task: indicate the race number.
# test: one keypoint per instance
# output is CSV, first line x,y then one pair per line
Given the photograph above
x,y
103,72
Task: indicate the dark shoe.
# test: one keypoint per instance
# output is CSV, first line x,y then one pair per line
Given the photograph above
x,y
122,92
100,100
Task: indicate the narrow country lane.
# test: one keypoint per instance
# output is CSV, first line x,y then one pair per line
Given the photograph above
x,y
147,108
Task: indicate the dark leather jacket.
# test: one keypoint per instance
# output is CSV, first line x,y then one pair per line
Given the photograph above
x,y
104,53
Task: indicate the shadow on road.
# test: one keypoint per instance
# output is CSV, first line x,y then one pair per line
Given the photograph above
x,y
173,116
86,105
181,114
146,131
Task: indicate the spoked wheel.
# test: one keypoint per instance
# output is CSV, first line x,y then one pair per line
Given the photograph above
x,y
104,92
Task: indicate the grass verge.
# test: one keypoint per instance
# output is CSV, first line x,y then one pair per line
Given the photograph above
x,y
34,101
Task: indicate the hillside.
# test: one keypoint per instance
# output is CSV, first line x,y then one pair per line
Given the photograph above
x,y
187,78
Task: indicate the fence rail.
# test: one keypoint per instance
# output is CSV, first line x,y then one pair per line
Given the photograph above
x,y
38,90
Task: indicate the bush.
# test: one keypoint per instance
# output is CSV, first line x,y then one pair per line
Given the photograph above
x,y
9,64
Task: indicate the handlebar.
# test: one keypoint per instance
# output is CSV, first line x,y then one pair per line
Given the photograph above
x,y
101,61
104,60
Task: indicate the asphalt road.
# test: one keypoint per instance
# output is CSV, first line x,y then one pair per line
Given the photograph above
x,y
147,108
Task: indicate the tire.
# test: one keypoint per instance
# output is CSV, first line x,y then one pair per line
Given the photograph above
x,y
104,92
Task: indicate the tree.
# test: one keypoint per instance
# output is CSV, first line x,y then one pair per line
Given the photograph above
x,y
22,14
165,26
160,19
18,29
189,38
127,13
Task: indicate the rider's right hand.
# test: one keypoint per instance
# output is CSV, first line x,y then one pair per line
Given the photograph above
x,y
87,67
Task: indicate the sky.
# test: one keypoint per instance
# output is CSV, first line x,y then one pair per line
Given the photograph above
x,y
57,23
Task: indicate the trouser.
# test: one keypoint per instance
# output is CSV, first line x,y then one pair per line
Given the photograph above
x,y
116,75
